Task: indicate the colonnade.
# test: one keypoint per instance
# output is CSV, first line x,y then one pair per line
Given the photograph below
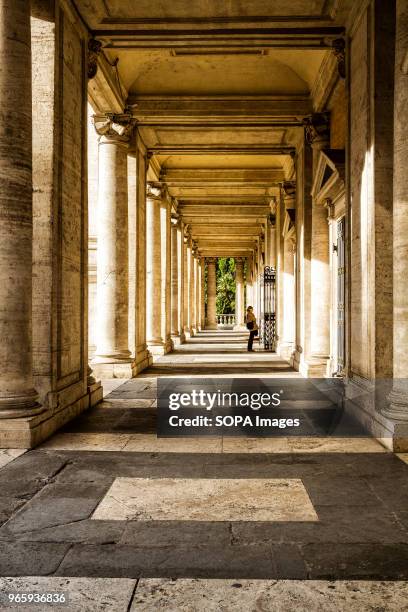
x,y
179,295
151,277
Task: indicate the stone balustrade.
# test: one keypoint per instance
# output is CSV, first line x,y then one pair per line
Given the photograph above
x,y
225,321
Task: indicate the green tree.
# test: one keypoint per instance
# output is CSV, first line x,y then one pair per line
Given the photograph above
x,y
225,274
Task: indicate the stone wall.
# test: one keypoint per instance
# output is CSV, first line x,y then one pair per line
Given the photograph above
x,y
303,253
371,129
92,230
60,322
370,222
338,116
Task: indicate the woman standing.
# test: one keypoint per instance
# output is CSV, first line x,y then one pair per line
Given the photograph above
x,y
252,326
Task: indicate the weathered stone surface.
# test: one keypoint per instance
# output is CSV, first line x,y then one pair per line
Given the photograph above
x,y
356,561
64,503
17,394
83,594
27,558
206,500
9,454
183,595
129,561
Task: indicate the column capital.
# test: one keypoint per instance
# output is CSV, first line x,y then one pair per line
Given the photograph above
x,y
273,205
317,128
175,220
154,190
94,49
114,129
211,260
339,52
194,248
328,203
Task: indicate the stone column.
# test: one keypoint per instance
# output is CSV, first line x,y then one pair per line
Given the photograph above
x,y
175,282
211,294
197,285
239,294
186,292
317,362
249,282
112,355
287,342
17,394
272,240
398,408
165,232
202,293
153,270
192,298
288,305
180,279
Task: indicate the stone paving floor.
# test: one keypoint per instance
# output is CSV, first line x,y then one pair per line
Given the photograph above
x,y
122,520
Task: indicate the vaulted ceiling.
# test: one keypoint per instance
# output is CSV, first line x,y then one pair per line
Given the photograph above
x,y
219,89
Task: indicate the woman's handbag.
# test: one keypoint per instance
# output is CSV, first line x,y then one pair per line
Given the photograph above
x,y
250,325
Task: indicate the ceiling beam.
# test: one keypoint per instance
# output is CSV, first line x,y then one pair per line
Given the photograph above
x,y
214,176
280,33
283,110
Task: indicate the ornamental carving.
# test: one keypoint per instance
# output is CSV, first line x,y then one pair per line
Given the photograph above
x,y
94,49
114,127
289,189
339,51
317,127
154,191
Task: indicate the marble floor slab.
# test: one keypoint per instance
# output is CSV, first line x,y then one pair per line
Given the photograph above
x,y
335,445
403,457
195,595
9,454
150,443
206,499
117,402
87,442
83,594
255,445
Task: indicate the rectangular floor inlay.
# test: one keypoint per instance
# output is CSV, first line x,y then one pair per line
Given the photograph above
x,y
206,499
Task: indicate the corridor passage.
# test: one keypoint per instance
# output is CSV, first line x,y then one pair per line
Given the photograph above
x,y
203,524
219,353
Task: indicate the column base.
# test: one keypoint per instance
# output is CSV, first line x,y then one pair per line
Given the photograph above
x,y
363,402
160,348
211,326
95,393
28,432
143,360
315,367
285,350
17,406
178,339
112,368
397,409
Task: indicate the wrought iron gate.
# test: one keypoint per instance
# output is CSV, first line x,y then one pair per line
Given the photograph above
x,y
341,261
267,309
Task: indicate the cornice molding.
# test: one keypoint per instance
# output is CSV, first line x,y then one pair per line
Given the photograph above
x,y
106,92
329,182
